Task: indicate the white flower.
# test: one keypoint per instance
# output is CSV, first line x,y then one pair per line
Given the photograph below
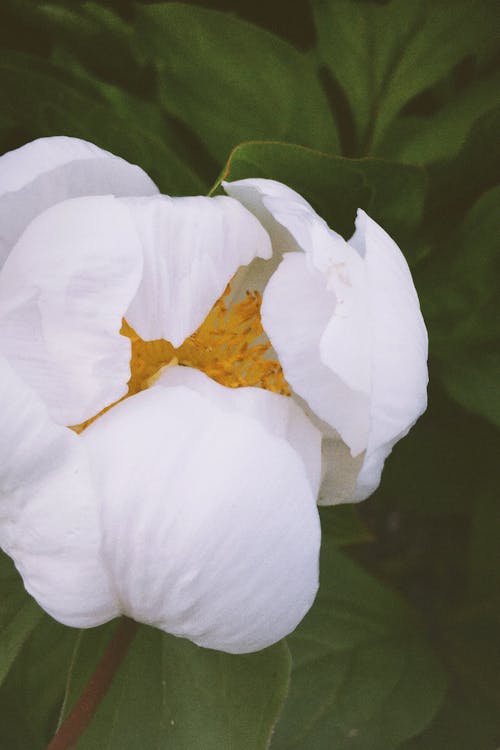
x,y
191,504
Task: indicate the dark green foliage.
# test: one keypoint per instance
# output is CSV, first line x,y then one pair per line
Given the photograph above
x,y
171,693
363,676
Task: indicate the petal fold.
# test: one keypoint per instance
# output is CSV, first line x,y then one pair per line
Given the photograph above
x,y
254,194
49,512
63,293
279,415
211,528
345,321
192,248
296,310
399,348
48,170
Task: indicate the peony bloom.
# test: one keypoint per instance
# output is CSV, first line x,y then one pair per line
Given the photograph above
x,y
180,380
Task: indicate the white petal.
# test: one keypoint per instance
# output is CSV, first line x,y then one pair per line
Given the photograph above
x,y
290,220
211,529
350,337
48,170
283,210
254,194
49,520
399,347
250,193
63,292
340,473
296,309
279,415
192,248
292,225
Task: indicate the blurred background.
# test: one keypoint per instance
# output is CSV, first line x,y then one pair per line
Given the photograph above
x,y
397,105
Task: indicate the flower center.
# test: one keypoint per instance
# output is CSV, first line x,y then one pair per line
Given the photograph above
x,y
230,346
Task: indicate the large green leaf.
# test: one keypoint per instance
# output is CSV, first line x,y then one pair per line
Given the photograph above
x,y
420,139
461,303
19,615
96,34
33,658
170,693
464,722
95,43
231,81
383,55
363,676
31,696
42,100
440,478
392,194
471,378
455,184
471,647
438,469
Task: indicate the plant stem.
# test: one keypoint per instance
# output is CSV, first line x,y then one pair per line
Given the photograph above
x,y
96,688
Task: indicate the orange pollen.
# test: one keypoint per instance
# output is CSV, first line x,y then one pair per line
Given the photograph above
x,y
230,346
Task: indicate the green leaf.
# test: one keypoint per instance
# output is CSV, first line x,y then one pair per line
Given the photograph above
x,y
471,378
465,305
333,185
19,615
460,300
344,525
439,468
85,26
170,693
33,652
468,633
391,193
43,100
469,717
231,81
455,185
440,135
98,37
464,722
363,676
383,55
32,694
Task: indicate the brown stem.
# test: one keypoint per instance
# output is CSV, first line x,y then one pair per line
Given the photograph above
x,y
96,688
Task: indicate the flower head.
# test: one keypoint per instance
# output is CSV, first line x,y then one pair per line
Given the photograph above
x,y
181,379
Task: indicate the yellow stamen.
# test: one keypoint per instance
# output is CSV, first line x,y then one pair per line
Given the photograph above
x,y
230,346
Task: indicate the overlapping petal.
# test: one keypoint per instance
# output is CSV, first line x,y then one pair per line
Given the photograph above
x,y
49,512
250,193
49,170
63,292
345,321
192,248
279,415
399,348
296,310
210,526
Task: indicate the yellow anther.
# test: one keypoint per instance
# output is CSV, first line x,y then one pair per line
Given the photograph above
x,y
230,346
